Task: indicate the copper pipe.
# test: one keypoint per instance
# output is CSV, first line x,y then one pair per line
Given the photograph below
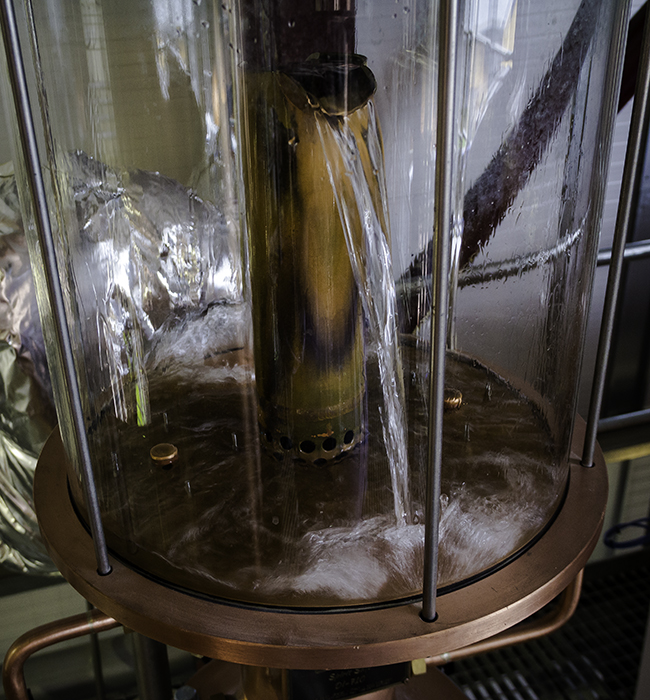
x,y
13,678
524,632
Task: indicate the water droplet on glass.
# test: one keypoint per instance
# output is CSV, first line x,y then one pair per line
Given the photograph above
x,y
275,520
116,464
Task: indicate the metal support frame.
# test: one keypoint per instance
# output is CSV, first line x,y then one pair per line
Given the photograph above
x,y
152,665
448,20
632,173
95,621
637,250
624,420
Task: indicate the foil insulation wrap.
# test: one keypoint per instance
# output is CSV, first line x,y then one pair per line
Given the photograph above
x,y
26,406
146,249
151,258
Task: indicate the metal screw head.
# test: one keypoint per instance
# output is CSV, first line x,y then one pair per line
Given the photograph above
x,y
453,399
163,453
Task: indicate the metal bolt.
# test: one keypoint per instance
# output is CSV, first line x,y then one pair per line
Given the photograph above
x,y
163,453
453,399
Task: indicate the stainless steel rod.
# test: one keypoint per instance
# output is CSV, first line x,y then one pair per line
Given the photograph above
x,y
632,173
29,145
152,669
637,250
448,18
624,420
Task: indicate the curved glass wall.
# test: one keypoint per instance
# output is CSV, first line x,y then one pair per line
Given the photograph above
x,y
244,201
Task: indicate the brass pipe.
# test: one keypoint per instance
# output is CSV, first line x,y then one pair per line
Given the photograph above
x,y
524,632
13,677
307,312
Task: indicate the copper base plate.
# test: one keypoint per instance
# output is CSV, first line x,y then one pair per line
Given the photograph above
x,y
329,640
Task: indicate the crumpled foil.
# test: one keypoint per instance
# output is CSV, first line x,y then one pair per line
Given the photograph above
x,y
145,248
26,406
147,254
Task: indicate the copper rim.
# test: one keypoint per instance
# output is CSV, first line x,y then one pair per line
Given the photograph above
x,y
525,632
325,640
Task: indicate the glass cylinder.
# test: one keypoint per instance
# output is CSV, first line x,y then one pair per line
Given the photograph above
x,y
243,196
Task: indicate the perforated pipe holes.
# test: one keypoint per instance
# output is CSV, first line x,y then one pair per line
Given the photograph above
x,y
318,450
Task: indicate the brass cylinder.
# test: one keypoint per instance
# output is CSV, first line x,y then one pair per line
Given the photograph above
x,y
307,315
261,683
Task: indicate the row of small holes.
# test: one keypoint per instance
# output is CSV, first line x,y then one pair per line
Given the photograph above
x,y
308,446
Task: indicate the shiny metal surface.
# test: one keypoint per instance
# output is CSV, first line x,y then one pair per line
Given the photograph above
x,y
445,135
370,637
637,250
26,405
13,678
152,667
524,632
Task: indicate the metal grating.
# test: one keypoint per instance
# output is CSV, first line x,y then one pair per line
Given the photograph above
x,y
595,656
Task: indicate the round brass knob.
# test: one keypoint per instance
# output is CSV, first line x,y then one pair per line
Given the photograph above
x,y
453,399
163,453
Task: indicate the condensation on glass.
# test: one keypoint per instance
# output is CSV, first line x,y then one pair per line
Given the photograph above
x,y
243,195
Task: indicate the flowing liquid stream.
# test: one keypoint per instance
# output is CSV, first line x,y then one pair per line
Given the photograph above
x,y
231,520
321,274
371,264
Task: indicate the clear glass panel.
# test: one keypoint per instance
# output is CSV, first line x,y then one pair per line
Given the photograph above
x,y
244,196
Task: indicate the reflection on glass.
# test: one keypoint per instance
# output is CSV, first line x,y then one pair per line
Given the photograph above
x,y
245,202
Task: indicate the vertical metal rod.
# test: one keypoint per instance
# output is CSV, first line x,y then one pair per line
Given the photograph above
x,y
616,510
96,658
632,172
28,142
152,669
447,18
